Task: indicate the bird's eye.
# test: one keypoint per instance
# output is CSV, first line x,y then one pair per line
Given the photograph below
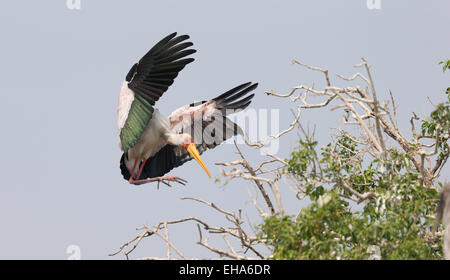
x,y
188,140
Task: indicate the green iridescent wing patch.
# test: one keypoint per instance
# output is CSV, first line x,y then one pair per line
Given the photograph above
x,y
141,112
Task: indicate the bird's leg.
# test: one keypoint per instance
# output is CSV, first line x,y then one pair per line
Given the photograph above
x,y
141,168
165,180
132,171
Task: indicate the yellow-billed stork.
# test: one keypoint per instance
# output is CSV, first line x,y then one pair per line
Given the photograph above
x,y
152,144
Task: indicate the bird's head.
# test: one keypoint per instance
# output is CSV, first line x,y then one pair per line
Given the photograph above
x,y
185,140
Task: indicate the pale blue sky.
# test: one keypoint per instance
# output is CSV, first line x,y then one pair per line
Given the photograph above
x,y
61,72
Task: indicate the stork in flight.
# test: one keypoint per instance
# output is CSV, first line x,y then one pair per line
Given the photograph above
x,y
152,144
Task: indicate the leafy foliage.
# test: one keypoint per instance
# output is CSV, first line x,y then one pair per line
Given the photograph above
x,y
438,123
393,220
445,65
330,228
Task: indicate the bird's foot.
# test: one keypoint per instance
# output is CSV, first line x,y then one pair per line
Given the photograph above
x,y
165,180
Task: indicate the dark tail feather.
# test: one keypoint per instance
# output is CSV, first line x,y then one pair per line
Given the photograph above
x,y
123,168
161,163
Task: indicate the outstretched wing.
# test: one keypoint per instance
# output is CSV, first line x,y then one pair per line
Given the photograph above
x,y
206,122
149,79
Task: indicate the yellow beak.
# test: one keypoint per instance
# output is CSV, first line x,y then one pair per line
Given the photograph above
x,y
194,153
